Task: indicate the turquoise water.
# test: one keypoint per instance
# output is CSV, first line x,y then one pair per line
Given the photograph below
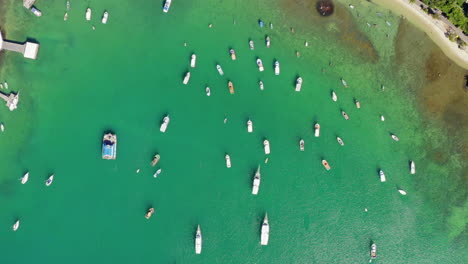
x,y
126,75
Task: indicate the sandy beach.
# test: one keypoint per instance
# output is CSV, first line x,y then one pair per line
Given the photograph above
x,y
434,28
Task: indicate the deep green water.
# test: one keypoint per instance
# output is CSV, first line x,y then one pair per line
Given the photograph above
x,y
126,75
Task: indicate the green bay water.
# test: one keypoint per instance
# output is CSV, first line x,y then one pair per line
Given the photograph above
x,y
127,75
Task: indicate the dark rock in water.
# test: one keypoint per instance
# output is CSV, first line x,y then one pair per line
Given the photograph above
x,y
325,7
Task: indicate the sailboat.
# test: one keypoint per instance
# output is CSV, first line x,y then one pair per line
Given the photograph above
x,y
256,181
334,97
265,232
249,126
198,241
186,78
412,167
402,192
2,127
16,225
25,178
49,180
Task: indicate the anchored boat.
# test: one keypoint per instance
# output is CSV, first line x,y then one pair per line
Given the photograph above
x,y
65,17
267,41
334,97
301,144
260,84
208,91
298,84
105,16
412,167
16,225
25,178
256,182
260,64
317,130
220,70
340,141
382,176
193,60
156,174
266,146
326,165
345,84
265,232
164,124
36,11
277,68
345,115
198,241
186,78
155,160
251,45
249,126
373,252
149,213
358,104
88,14
228,161
109,146
233,54
394,137
2,127
402,192
167,5
49,180
231,87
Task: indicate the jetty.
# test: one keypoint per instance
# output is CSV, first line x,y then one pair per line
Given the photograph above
x,y
28,49
11,100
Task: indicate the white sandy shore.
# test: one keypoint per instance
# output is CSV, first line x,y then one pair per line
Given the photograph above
x,y
434,28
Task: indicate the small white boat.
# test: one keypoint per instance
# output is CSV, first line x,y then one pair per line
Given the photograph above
x,y
36,11
16,225
68,5
260,64
1,86
164,124
267,41
49,180
382,176
351,6
65,17
265,231
138,171
345,84
334,97
105,16
198,241
233,54
260,84
156,174
149,213
402,192
208,91
228,161
251,45
373,252
326,165
412,167
5,84
382,118
358,104
277,68
249,126
301,144
88,14
345,115
193,60
317,130
220,70
394,137
340,141
306,44
186,78
298,84
25,178
2,127
256,182
167,5
266,146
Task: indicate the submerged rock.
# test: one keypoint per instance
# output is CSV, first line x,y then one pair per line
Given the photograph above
x,y
325,7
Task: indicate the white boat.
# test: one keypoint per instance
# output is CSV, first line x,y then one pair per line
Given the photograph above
x,y
49,180
249,126
251,45
358,104
149,213
1,86
402,192
167,5
326,164
260,64
105,16
208,91
256,182
298,84
351,6
186,78
373,251
260,84
266,146
198,241
265,232
220,70
301,144
345,84
345,115
88,14
394,137
267,41
156,174
228,161
193,60
277,68
16,225
382,176
65,17
36,11
164,124
68,5
5,84
382,118
25,178
340,141
233,54
138,171
412,167
2,127
317,130
334,97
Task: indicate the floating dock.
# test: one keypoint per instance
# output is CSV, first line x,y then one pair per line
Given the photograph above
x,y
28,49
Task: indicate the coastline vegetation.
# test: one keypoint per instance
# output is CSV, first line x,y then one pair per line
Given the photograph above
x,y
455,10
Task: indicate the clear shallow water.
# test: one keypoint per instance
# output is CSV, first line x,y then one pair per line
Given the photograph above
x,y
125,76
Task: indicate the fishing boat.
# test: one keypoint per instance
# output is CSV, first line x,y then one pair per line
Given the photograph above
x,y
265,232
105,16
412,167
88,14
373,252
109,146
25,178
155,160
249,126
65,17
266,146
208,91
298,84
193,60
149,213
231,87
358,104
340,141
49,180
394,137
260,84
156,174
36,11
2,127
326,165
167,5
186,78
256,181
260,23
345,84
220,70
68,5
233,54
301,144
228,161
16,225
334,97
277,68
402,192
260,64
345,115
165,123
251,45
198,241
382,118
267,41
382,176
317,129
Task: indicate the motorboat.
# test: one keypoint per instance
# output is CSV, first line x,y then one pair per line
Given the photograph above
x,y
412,167
220,70
88,14
25,178
271,25
249,126
16,225
36,11
228,161
260,64
68,5
233,54
345,84
231,87
340,141
277,68
149,213
49,180
105,16
265,232
208,91
167,5
317,129
394,137
256,182
306,44
109,146
266,146
373,252
298,84
193,60
358,104
266,160
260,23
65,17
382,176
402,192
345,115
186,78
165,123
267,41
351,6
138,171
5,84
251,45
301,144
334,97
2,127
155,160
198,241
326,165
156,174
260,84
382,118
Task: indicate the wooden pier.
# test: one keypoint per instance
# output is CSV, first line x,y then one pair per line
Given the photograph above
x,y
28,49
11,100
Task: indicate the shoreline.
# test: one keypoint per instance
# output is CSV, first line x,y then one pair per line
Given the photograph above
x,y
434,28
